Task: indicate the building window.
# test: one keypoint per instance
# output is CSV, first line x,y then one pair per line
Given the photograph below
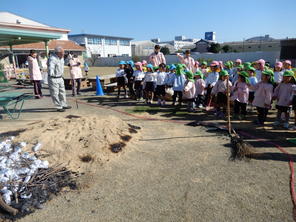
x,y
124,42
249,47
94,41
110,41
269,46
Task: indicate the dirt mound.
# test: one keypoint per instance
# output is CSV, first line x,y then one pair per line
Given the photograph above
x,y
79,142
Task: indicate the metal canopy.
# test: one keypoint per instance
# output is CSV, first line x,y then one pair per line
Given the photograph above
x,y
17,37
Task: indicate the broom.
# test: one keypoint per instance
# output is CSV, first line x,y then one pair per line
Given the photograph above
x,y
240,148
209,107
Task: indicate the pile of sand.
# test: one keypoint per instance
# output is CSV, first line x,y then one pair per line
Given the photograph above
x,y
78,142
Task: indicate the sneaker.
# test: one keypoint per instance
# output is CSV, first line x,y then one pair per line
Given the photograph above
x,y
276,123
286,125
159,102
163,103
67,107
200,106
293,127
126,96
61,110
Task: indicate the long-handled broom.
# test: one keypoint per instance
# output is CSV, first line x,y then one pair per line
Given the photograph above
x,y
240,148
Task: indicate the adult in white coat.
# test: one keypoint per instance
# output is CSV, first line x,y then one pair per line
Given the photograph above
x,y
35,73
76,74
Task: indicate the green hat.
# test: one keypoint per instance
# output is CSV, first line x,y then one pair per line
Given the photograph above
x,y
155,67
227,64
240,66
204,63
247,64
290,73
179,69
224,73
268,72
189,75
199,73
251,69
246,75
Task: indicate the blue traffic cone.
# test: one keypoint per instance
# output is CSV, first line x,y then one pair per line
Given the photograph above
x,y
99,87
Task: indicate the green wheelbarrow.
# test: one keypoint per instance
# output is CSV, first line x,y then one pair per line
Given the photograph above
x,y
13,102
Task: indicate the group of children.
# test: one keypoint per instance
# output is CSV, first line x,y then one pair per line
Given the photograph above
x,y
256,84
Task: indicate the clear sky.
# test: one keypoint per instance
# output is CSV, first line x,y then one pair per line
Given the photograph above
x,y
141,19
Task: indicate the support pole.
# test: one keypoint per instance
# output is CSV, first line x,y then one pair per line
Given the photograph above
x,y
46,48
13,59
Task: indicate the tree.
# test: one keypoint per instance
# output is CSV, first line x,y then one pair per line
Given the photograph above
x,y
214,48
93,59
226,48
165,50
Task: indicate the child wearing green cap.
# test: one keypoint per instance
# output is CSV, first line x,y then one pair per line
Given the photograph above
x,y
263,96
282,94
200,86
177,81
220,92
189,91
240,95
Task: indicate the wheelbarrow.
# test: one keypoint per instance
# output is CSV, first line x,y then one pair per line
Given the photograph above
x,y
13,102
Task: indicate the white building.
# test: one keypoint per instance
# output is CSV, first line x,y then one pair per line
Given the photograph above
x,y
102,45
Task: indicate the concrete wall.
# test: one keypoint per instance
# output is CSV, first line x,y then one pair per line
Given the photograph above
x,y
271,57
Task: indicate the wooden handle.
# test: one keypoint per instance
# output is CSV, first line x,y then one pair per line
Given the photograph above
x,y
8,208
228,108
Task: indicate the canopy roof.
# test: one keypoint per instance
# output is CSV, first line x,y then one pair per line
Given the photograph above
x,y
25,32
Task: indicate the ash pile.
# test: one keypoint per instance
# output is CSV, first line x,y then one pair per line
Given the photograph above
x,y
27,182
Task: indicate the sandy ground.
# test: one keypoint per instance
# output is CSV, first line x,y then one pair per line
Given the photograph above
x,y
94,71
172,172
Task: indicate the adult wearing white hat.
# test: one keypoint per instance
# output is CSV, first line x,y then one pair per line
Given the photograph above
x,y
55,79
